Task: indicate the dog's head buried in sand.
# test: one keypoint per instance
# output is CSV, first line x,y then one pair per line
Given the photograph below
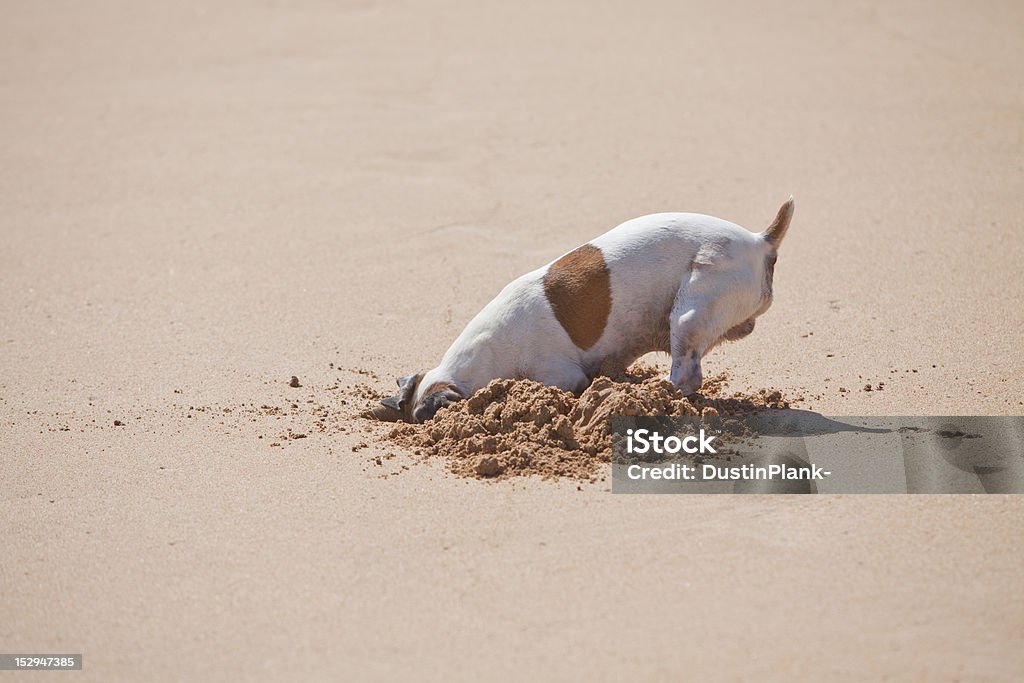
x,y
674,282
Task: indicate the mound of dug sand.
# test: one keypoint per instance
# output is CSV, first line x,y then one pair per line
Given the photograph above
x,y
520,427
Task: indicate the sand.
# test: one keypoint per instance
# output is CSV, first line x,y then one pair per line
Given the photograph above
x,y
516,428
201,201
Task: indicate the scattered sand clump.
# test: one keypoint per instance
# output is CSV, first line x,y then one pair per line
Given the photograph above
x,y
521,427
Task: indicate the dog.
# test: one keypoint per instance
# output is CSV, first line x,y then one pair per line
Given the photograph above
x,y
681,283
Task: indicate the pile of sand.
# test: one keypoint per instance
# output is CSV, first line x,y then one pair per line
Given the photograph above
x,y
520,427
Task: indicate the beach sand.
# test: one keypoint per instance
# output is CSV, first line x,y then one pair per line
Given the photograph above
x,y
202,201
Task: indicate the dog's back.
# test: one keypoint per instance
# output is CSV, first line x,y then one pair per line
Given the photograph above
x,y
675,282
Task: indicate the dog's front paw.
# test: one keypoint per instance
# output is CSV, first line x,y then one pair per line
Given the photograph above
x,y
686,373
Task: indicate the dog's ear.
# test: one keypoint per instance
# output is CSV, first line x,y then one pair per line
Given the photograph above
x,y
777,230
401,403
407,389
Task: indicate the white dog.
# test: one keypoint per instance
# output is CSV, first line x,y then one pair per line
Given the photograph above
x,y
674,282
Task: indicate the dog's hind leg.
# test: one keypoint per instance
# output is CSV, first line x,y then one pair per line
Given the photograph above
x,y
560,372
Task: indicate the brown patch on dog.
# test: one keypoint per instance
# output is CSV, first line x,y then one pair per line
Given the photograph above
x,y
579,290
440,386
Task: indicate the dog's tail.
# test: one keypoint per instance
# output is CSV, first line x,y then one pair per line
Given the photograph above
x,y
777,230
